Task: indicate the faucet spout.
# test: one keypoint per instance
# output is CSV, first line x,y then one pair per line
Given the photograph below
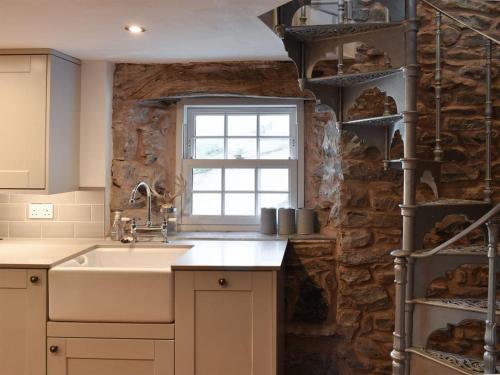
x,y
149,196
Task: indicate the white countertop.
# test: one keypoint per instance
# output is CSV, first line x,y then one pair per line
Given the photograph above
x,y
33,253
232,255
204,255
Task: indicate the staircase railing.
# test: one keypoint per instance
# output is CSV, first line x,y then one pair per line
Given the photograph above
x,y
491,220
465,24
488,114
495,211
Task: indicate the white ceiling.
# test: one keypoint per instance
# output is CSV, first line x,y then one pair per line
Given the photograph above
x,y
177,30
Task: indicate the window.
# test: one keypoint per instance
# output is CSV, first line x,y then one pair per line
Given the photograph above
x,y
237,159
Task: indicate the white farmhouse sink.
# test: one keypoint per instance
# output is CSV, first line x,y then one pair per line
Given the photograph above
x,y
115,284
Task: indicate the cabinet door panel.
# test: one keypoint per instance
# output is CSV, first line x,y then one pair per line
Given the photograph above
x,y
223,332
22,322
75,356
77,366
109,348
23,105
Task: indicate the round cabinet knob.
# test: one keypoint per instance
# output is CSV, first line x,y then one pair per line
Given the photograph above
x,y
34,279
53,349
222,282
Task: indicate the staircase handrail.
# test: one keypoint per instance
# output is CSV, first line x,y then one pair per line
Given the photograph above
x,y
465,24
482,220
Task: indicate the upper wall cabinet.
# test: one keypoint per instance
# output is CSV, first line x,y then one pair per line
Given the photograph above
x,y
39,122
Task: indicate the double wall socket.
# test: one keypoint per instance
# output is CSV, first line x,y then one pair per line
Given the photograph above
x,y
41,211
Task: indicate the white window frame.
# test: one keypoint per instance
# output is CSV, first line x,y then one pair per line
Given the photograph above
x,y
184,162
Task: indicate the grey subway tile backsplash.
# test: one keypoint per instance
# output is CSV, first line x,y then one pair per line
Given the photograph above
x,y
77,214
25,229
54,198
97,213
12,212
73,212
90,197
89,230
4,229
58,230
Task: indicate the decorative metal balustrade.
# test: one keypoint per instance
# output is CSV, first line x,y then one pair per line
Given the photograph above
x,y
307,44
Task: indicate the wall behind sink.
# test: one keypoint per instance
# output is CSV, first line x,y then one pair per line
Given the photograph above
x,y
77,214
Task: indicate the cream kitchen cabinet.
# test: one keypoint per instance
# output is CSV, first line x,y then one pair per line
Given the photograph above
x,y
39,121
89,356
23,314
226,322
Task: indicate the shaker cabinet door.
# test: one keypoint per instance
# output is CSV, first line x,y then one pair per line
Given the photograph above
x,y
23,106
225,323
23,316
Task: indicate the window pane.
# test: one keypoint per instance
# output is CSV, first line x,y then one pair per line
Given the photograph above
x,y
276,200
240,179
207,179
273,179
242,148
240,204
274,149
209,125
275,125
206,204
241,125
209,148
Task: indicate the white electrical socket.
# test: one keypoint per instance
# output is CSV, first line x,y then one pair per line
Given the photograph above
x,y
41,211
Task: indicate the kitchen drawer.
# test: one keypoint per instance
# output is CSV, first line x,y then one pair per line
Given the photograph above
x,y
221,280
13,278
83,356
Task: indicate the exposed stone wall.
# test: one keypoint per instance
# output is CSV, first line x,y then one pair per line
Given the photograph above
x,y
465,338
465,281
144,125
340,295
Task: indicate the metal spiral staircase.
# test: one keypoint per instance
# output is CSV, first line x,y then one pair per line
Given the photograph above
x,y
308,44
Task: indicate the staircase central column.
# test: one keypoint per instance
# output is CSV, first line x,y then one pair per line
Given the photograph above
x,y
404,284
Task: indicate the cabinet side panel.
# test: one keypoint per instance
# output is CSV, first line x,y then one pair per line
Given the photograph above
x,y
164,357
95,122
36,323
264,323
64,130
23,105
184,322
280,320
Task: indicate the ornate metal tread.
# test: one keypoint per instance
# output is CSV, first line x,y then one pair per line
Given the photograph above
x,y
314,33
454,202
346,80
467,304
375,121
464,365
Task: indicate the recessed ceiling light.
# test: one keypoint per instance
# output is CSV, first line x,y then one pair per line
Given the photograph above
x,y
135,29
